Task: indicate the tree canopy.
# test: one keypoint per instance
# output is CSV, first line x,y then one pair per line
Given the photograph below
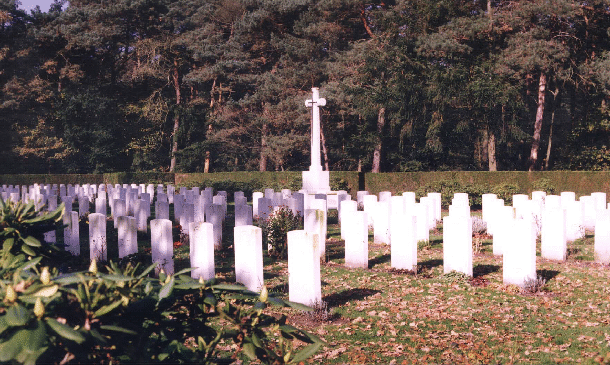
x,y
219,85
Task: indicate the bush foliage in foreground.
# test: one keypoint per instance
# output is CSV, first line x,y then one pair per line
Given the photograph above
x,y
123,314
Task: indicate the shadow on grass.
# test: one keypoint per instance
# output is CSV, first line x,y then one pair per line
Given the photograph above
x,y
334,251
280,288
429,264
338,299
379,260
547,274
270,275
436,240
484,269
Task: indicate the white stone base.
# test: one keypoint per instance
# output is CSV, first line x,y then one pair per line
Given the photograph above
x,y
316,182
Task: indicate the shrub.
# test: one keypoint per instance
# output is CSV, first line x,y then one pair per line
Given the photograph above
x,y
545,185
533,286
23,230
506,191
448,188
122,314
337,184
276,228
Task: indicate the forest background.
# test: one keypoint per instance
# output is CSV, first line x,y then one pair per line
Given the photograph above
x,y
220,85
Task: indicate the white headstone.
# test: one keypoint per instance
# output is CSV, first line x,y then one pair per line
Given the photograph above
x,y
553,242
83,206
161,209
214,215
457,244
370,205
255,199
71,233
404,241
162,245
243,215
128,236
188,217
304,284
201,238
347,208
381,223
264,208
422,230
356,237
314,224
97,237
519,259
249,257
140,215
601,244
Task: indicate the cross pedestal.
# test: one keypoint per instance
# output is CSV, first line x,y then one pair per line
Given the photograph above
x,y
315,180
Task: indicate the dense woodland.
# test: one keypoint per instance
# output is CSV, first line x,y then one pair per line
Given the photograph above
x,y
220,85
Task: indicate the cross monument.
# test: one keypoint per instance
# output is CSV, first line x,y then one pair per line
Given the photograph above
x,y
315,180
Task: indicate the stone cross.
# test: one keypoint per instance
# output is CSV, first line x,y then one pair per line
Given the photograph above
x,y
315,103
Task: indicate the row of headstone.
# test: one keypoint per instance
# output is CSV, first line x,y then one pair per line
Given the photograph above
x,y
394,221
557,219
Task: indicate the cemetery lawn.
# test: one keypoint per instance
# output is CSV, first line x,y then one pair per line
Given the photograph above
x,y
381,315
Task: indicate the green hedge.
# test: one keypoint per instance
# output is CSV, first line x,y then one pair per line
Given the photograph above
x,y
139,178
30,179
581,182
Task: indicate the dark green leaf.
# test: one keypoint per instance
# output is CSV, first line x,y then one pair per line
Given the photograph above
x,y
184,271
276,301
33,262
299,306
65,331
118,329
11,348
210,300
116,278
95,334
147,271
8,244
306,353
250,350
107,308
229,287
288,328
28,250
3,324
166,290
17,315
32,241
186,286
72,278
257,341
37,337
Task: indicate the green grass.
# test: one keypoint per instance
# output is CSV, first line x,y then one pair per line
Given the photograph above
x,y
381,315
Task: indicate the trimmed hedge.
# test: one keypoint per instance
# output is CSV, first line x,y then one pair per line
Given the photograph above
x,y
30,179
580,182
139,178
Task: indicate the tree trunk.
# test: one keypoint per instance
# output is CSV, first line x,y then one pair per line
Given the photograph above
x,y
378,147
324,152
206,164
548,147
491,151
262,166
176,81
538,123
